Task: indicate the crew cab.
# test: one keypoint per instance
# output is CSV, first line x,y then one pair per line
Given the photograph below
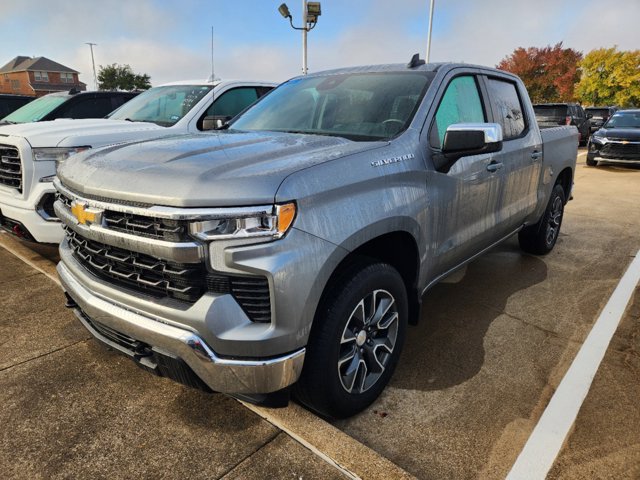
x,y
29,152
292,250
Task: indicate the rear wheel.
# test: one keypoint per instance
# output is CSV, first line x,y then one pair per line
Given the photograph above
x,y
358,333
540,238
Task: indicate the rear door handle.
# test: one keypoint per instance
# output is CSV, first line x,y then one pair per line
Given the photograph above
x,y
536,155
494,166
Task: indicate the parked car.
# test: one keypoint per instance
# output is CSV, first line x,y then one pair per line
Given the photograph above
x,y
295,247
599,115
30,152
617,141
72,104
554,114
9,103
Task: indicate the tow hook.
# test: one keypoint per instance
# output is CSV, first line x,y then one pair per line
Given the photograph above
x,y
70,303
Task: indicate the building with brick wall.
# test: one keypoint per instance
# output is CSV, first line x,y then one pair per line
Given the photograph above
x,y
37,76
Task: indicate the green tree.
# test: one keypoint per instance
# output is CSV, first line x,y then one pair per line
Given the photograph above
x,y
610,77
121,77
549,73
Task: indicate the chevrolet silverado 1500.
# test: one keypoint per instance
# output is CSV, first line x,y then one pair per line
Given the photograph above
x,y
294,248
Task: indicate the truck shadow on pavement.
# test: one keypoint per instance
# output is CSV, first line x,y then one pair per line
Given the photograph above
x,y
446,348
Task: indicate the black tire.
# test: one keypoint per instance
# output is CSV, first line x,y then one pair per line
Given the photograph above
x,y
337,334
539,239
591,162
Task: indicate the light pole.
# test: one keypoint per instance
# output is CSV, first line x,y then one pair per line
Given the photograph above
x,y
429,35
93,62
310,13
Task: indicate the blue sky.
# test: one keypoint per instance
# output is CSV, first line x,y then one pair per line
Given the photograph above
x,y
171,40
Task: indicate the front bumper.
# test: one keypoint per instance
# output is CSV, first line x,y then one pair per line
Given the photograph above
x,y
219,374
22,206
614,151
40,226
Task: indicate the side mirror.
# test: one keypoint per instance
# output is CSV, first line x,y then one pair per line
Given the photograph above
x,y
589,115
214,122
465,139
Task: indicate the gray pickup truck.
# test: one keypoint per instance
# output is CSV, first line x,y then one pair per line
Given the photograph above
x,y
291,251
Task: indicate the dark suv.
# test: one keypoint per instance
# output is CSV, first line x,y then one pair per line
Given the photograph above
x,y
553,114
9,103
599,116
71,104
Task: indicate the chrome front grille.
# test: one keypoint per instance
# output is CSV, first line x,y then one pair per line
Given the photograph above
x,y
139,271
10,167
155,275
160,278
163,229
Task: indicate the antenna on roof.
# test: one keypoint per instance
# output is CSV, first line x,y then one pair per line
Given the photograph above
x,y
213,77
416,61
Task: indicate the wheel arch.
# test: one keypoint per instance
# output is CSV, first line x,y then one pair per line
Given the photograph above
x,y
397,248
565,179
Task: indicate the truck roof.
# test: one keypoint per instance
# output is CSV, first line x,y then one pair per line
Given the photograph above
x,y
399,67
215,82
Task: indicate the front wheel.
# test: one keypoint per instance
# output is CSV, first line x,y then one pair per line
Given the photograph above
x,y
355,343
540,238
591,162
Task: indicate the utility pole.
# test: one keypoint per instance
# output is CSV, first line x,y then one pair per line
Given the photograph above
x,y
93,62
430,28
310,13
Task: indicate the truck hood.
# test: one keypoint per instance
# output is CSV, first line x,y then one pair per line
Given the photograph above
x,y
77,133
202,170
631,134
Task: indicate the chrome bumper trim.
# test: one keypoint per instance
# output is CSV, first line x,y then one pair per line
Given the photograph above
x,y
179,252
220,374
171,213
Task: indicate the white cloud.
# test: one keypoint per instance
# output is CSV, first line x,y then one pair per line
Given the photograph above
x,y
139,33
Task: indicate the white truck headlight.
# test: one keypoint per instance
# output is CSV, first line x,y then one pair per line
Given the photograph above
x,y
259,223
55,154
599,138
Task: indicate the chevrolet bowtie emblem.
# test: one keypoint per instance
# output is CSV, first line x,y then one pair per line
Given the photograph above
x,y
86,215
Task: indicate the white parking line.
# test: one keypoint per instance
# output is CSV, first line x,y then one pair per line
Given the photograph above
x,y
547,438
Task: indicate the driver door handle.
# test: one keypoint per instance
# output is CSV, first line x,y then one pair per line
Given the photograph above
x,y
494,166
535,155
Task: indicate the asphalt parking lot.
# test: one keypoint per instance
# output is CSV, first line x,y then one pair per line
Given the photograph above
x,y
475,376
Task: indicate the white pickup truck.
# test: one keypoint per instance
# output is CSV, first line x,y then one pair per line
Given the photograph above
x,y
30,152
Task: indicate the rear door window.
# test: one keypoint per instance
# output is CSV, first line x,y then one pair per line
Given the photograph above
x,y
96,107
507,107
460,103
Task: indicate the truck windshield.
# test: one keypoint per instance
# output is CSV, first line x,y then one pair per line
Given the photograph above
x,y
624,120
36,110
357,106
163,106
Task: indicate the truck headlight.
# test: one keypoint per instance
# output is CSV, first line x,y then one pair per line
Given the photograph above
x,y
599,138
266,223
55,154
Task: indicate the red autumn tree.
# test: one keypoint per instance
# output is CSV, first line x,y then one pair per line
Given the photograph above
x,y
549,73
